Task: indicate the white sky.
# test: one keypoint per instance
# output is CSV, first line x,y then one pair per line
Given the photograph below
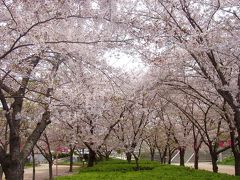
x,y
125,61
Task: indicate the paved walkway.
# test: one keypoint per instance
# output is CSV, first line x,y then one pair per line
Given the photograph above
x,y
208,166
42,171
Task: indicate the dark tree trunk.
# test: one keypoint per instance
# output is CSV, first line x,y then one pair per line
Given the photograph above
x,y
160,155
91,158
236,153
137,162
1,172
236,158
13,170
152,152
50,170
129,157
71,159
196,158
214,159
107,156
169,158
236,149
170,153
163,157
33,165
182,154
237,164
13,165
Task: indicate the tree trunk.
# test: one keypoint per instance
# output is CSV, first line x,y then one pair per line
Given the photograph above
x,y
235,149
182,154
50,170
163,157
152,152
71,159
169,158
13,170
129,157
214,161
236,154
170,153
1,172
107,156
237,164
137,162
33,165
91,158
160,155
196,158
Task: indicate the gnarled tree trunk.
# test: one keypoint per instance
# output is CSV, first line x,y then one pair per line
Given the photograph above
x,y
13,170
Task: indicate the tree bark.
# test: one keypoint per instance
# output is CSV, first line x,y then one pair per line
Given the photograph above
x,y
13,170
137,162
214,158
163,157
182,154
170,153
91,158
152,152
71,159
196,158
1,172
237,164
129,157
160,155
236,149
236,153
33,165
169,158
50,170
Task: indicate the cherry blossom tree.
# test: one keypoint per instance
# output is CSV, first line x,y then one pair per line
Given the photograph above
x,y
201,34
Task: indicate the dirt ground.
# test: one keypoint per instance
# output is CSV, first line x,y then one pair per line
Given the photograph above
x,y
42,171
208,166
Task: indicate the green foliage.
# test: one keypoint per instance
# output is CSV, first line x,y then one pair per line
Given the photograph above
x,y
28,165
121,170
228,161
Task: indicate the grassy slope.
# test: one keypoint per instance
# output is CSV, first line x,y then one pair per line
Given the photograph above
x,y
120,170
228,161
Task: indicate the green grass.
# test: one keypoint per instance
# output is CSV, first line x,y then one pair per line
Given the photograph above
x,y
120,170
228,161
29,165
